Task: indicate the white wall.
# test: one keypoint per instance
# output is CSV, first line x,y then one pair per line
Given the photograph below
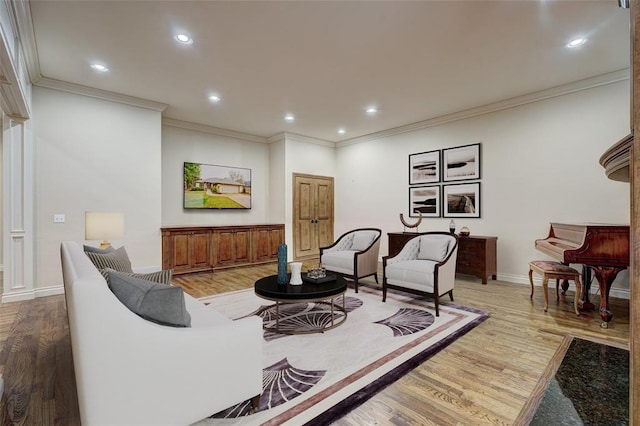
x,y
539,164
180,145
95,155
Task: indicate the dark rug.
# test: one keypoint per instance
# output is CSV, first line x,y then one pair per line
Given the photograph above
x,y
591,387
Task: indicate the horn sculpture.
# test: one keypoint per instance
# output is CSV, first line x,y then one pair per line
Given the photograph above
x,y
411,225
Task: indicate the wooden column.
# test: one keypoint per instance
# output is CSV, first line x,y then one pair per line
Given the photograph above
x,y
634,171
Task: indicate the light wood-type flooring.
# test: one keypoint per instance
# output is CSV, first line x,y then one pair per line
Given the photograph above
x,y
485,377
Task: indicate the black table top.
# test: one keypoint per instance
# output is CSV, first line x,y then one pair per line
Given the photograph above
x,y
269,288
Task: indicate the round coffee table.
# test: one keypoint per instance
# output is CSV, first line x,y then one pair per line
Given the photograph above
x,y
322,293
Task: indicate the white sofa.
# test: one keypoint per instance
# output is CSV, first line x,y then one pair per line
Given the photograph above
x,y
135,372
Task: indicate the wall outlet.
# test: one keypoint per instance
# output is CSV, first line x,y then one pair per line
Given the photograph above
x,y
58,218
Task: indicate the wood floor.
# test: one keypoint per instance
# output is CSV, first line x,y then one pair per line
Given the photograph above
x,y
485,377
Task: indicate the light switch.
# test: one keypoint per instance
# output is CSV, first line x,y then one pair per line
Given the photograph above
x,y
58,218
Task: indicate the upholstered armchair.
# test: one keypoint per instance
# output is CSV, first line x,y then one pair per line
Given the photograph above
x,y
426,265
354,255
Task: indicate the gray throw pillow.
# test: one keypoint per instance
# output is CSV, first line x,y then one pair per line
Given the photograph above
x,y
117,260
162,277
159,303
93,249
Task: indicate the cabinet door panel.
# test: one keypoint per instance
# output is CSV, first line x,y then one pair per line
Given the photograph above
x,y
225,248
242,249
200,253
180,253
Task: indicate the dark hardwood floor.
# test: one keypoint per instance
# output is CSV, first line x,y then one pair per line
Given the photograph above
x,y
485,377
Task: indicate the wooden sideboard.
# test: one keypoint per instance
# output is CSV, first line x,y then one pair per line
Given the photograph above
x,y
187,249
477,255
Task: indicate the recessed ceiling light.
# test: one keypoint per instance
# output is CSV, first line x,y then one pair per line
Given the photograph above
x,y
372,110
341,131
100,67
184,39
576,42
215,98
289,117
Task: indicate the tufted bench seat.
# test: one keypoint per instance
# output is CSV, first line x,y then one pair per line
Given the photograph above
x,y
549,270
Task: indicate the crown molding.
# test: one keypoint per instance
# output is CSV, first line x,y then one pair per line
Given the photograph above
x,y
79,89
565,89
299,138
26,34
166,121
12,99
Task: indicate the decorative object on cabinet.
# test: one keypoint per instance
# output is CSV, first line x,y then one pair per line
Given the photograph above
x,y
477,256
424,167
424,200
461,200
188,249
461,163
411,225
208,186
464,231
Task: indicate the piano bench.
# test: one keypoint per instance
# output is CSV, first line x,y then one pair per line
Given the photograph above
x,y
550,270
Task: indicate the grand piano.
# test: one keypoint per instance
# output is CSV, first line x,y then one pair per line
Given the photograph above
x,y
601,248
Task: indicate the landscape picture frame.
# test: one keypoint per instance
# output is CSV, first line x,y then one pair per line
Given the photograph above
x,y
211,186
425,199
424,167
461,200
461,163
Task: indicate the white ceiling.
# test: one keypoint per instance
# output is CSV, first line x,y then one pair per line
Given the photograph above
x,y
326,61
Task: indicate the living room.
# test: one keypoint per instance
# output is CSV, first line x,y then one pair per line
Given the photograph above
x,y
92,150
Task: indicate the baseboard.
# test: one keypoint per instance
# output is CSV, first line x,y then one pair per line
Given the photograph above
x,y
19,296
621,293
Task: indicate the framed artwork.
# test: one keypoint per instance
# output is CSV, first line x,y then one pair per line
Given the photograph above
x,y
461,163
461,200
424,167
209,186
424,199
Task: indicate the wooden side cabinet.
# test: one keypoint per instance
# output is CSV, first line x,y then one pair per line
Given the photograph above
x,y
477,256
188,249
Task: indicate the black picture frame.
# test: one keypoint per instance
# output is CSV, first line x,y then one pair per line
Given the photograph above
x,y
461,163
461,200
424,167
425,199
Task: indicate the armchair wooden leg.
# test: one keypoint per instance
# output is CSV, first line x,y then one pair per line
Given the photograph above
x,y
255,403
437,303
451,295
355,283
376,277
384,292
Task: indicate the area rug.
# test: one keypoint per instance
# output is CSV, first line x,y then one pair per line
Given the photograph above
x,y
316,378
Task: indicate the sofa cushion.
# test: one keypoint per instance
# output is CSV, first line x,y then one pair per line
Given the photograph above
x,y
160,303
362,240
416,274
93,249
434,248
117,260
162,277
339,261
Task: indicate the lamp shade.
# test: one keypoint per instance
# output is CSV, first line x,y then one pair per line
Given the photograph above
x,y
103,226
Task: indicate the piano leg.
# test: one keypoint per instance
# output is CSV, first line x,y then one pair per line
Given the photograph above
x,y
586,285
605,276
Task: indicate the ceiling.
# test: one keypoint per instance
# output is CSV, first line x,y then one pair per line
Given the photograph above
x,y
326,61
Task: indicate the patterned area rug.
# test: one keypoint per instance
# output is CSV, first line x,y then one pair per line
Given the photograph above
x,y
320,377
